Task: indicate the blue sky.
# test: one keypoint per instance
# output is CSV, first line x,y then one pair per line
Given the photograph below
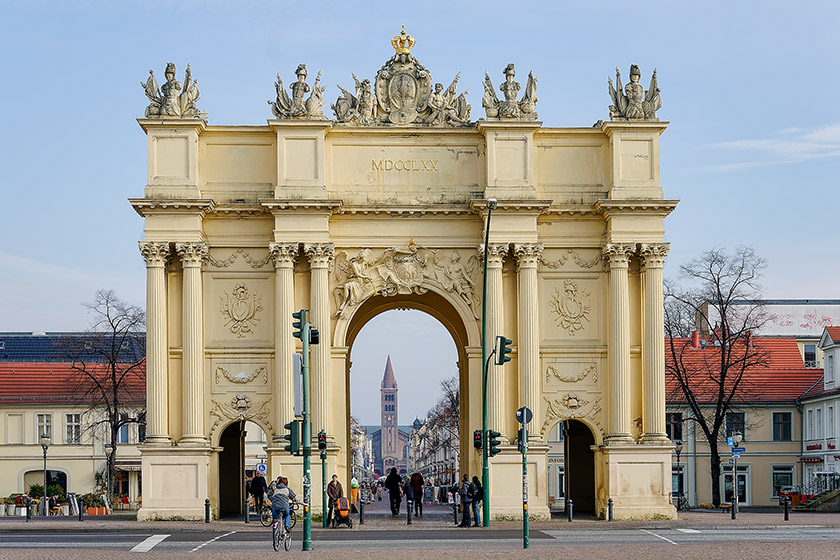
x,y
749,88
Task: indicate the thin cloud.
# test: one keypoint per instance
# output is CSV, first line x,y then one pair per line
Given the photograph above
x,y
792,145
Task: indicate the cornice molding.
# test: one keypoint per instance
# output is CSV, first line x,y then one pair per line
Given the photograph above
x,y
657,207
278,206
146,124
144,206
516,206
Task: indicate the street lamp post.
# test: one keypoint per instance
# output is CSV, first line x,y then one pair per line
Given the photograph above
x,y
109,449
737,437
678,450
485,466
45,444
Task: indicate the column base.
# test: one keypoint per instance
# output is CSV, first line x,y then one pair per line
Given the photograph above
x,y
193,441
638,479
506,483
175,482
655,439
619,439
158,441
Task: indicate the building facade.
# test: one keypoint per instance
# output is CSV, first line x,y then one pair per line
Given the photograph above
x,y
385,207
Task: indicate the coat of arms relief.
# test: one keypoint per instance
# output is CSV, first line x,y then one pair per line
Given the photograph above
x,y
239,309
403,271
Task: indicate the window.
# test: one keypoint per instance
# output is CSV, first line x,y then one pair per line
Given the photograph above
x,y
122,433
829,367
141,427
819,423
677,480
829,426
782,476
44,425
673,425
73,427
781,426
556,433
810,355
810,425
735,423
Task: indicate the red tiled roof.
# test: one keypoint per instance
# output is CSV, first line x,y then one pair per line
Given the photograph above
x,y
782,378
834,333
57,382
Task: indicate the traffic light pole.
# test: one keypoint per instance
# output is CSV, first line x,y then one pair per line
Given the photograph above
x,y
307,434
485,465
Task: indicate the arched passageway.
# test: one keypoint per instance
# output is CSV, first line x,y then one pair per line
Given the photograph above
x,y
580,466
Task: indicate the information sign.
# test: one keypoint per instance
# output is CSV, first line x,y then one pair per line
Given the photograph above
x,y
738,449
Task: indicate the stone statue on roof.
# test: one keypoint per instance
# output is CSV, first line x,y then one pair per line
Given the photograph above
x,y
172,100
296,107
634,103
510,107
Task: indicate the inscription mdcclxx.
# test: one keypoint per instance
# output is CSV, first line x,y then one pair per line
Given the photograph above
x,y
404,164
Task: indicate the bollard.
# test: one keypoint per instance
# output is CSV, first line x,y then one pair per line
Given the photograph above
x,y
610,509
787,508
455,512
247,510
81,508
569,509
361,512
408,512
207,510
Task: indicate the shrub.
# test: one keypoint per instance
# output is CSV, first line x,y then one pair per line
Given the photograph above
x,y
36,491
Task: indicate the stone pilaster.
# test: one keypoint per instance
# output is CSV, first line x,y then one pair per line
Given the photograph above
x,y
321,256
157,414
528,257
618,256
192,256
284,255
495,326
653,417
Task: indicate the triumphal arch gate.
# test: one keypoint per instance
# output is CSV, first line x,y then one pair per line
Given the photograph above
x,y
383,205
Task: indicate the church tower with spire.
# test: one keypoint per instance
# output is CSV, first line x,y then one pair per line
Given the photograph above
x,y
390,440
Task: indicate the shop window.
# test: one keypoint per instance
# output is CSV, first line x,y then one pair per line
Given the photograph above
x,y
782,476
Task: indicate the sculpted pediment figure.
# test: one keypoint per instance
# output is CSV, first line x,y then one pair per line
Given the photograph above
x,y
296,107
172,100
510,107
633,103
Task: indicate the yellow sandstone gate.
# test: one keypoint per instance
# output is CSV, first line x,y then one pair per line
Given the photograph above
x,y
384,207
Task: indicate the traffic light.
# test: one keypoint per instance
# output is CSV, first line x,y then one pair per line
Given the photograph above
x,y
293,437
314,336
322,440
300,319
493,443
478,442
502,350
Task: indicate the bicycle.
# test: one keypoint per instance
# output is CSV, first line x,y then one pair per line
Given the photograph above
x,y
280,534
265,514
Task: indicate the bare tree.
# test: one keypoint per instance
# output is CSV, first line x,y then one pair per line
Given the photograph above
x,y
109,368
444,419
719,295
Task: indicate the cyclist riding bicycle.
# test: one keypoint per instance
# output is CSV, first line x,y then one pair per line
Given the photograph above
x,y
280,496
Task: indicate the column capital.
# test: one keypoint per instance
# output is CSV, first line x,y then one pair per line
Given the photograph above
x,y
320,255
284,254
618,254
495,254
528,255
193,254
654,254
155,253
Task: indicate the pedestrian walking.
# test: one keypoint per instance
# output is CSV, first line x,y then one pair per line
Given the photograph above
x,y
354,494
417,493
334,492
258,488
477,497
465,492
392,484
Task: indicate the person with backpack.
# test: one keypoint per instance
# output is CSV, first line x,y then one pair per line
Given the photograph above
x,y
465,492
477,497
417,493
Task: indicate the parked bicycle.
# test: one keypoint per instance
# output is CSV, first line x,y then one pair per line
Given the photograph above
x,y
265,514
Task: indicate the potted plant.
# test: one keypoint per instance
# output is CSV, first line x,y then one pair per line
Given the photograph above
x,y
2,507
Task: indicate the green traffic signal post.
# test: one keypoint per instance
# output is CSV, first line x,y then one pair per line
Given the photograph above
x,y
304,331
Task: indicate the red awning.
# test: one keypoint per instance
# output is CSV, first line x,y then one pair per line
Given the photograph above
x,y
810,459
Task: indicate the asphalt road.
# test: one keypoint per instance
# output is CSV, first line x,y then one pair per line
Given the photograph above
x,y
213,541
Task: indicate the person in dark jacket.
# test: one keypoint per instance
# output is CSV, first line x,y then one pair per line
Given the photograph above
x,y
280,496
477,497
334,492
258,488
466,492
392,484
417,493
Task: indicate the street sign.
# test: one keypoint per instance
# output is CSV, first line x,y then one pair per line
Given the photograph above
x,y
731,461
261,468
730,442
524,415
736,455
738,449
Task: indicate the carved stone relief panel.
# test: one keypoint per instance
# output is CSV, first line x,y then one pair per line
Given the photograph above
x,y
404,271
573,405
241,406
247,373
570,308
559,373
239,309
253,262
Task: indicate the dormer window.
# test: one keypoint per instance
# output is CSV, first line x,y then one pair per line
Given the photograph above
x,y
810,351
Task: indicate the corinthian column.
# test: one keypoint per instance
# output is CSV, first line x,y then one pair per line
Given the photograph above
x,y
284,255
157,401
618,256
495,326
320,258
528,257
653,417
193,256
